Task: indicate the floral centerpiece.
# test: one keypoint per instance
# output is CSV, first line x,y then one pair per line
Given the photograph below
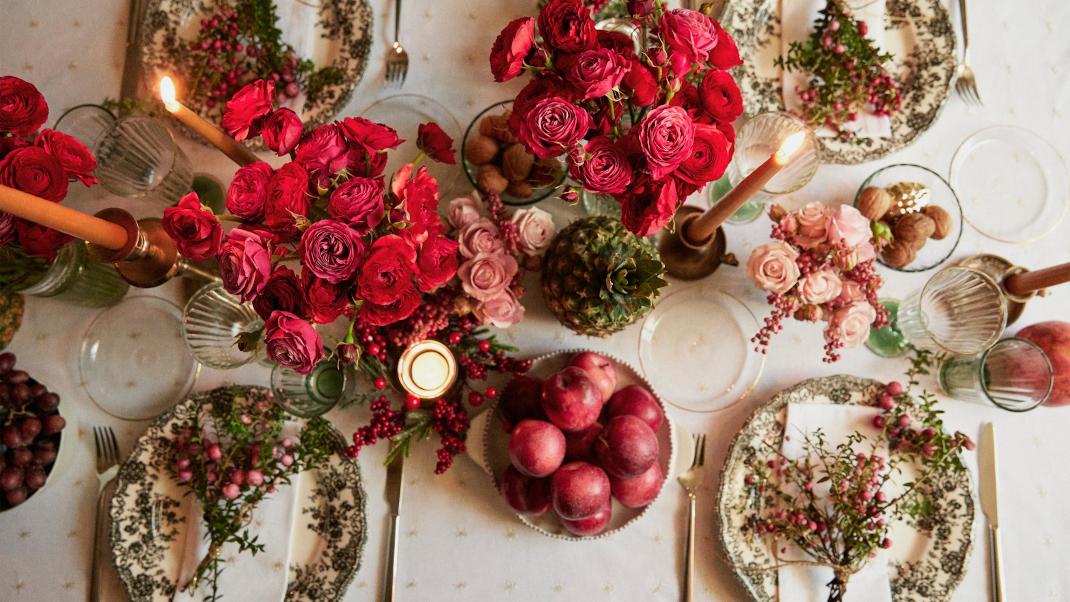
x,y
820,268
648,126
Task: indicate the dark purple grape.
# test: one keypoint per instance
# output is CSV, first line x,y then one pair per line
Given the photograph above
x,y
37,390
5,394
21,456
48,403
44,457
45,443
3,461
18,377
29,428
10,478
54,424
35,477
20,394
7,362
16,496
11,437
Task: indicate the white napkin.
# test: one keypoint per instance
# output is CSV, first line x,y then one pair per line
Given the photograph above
x,y
808,584
796,23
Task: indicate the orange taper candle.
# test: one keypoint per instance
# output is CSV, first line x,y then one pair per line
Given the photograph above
x,y
69,221
217,137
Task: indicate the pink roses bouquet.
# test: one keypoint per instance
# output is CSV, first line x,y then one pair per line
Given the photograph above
x,y
820,268
648,126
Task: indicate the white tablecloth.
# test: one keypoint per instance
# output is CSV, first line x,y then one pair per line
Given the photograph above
x,y
458,541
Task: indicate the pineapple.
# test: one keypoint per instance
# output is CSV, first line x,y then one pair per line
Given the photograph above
x,y
11,308
598,277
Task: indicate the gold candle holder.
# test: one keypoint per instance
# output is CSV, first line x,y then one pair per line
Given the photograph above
x,y
427,369
687,260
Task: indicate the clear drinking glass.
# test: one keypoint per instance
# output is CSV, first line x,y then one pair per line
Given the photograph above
x,y
211,324
77,279
137,156
313,394
599,204
1014,374
756,141
959,310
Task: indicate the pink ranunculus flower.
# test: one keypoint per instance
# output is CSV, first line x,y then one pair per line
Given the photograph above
x,y
282,131
331,250
772,267
502,311
480,236
690,36
293,342
194,228
850,324
246,110
323,153
463,210
602,166
535,230
848,226
552,126
244,264
813,225
820,287
666,136
247,193
486,276
595,72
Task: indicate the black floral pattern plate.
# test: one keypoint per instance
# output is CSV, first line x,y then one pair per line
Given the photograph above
x,y
328,537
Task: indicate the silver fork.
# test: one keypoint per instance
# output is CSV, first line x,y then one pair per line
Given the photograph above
x,y
397,60
690,481
965,84
107,468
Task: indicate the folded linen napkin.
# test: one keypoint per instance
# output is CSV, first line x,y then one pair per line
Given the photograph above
x,y
796,24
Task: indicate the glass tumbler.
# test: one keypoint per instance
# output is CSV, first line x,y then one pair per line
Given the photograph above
x,y
313,394
75,278
960,311
211,324
1014,374
137,156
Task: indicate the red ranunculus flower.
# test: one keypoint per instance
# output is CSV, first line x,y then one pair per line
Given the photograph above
x,y
287,194
511,47
407,301
417,195
75,158
323,153
282,292
387,271
436,263
617,42
553,126
369,165
35,171
22,107
359,203
244,264
602,167
690,37
40,240
374,137
7,228
535,90
436,143
195,229
244,113
566,25
594,72
666,135
325,301
293,342
640,85
640,8
720,96
10,143
725,54
708,158
331,250
649,206
248,191
282,131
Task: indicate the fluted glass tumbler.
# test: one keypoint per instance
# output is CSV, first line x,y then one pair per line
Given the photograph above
x,y
313,394
1014,374
960,311
211,324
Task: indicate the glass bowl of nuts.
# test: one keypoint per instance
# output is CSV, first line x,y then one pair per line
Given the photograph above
x,y
496,162
921,211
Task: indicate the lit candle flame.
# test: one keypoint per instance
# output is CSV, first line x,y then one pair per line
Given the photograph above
x,y
167,94
789,147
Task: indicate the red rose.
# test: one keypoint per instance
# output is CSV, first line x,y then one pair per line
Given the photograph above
x,y
690,37
617,42
436,263
640,85
567,25
195,229
40,240
244,113
725,54
248,191
665,135
435,143
287,194
359,203
594,72
374,137
244,264
282,131
325,301
7,228
511,47
649,207
323,153
418,197
281,292
22,107
553,126
75,158
602,168
35,171
708,158
293,342
331,250
720,96
387,271
387,313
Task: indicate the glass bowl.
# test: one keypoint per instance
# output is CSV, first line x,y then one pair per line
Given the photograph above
x,y
940,194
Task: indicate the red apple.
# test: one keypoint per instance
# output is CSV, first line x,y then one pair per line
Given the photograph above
x,y
571,399
526,495
536,448
635,400
522,398
640,491
600,369
580,445
627,447
579,490
1054,338
592,525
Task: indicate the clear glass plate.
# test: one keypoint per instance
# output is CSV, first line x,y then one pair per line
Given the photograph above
x,y
695,349
1013,185
133,361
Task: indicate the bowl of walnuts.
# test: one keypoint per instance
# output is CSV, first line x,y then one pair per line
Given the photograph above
x,y
496,162
920,210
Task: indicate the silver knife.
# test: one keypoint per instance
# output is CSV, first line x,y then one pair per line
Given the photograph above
x,y
394,474
990,504
132,62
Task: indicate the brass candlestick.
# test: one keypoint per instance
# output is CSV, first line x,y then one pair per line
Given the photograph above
x,y
691,260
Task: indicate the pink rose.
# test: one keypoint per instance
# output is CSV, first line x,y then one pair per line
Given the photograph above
x,y
331,250
772,267
247,192
848,226
850,324
359,203
245,111
502,311
534,229
480,236
194,228
820,287
511,48
602,166
323,153
282,131
462,211
244,264
486,276
852,291
552,126
862,253
690,36
666,136
813,224
293,342
595,72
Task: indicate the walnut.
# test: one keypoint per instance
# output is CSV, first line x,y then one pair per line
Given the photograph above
x,y
873,202
914,229
489,178
941,218
520,190
899,254
517,163
497,127
481,149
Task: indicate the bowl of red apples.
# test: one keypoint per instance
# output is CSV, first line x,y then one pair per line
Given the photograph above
x,y
579,446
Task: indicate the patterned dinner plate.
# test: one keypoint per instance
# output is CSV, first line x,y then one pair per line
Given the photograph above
x,y
329,532
926,563
919,35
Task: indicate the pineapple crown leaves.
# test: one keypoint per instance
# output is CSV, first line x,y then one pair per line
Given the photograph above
x,y
639,278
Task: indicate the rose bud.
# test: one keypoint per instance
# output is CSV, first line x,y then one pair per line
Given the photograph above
x,y
347,353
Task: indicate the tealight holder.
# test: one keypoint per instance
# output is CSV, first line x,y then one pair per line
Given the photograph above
x,y
427,369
